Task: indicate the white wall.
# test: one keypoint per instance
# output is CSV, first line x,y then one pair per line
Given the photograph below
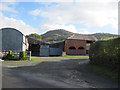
x,y
25,44
0,39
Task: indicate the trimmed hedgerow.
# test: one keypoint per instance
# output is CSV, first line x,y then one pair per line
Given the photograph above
x,y
106,53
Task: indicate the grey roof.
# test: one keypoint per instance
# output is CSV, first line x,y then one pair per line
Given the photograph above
x,y
35,41
58,42
83,37
8,28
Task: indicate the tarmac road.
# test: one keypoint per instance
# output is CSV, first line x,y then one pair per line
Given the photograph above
x,y
67,73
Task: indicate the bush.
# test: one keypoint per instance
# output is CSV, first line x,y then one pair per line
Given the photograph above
x,y
106,53
9,56
22,55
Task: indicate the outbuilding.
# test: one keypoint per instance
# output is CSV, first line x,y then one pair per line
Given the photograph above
x,y
78,44
12,39
57,48
40,48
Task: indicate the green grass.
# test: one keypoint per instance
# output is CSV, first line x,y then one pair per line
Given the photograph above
x,y
103,71
15,61
108,38
35,58
74,56
32,59
40,59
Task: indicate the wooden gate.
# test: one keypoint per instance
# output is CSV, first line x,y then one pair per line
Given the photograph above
x,y
44,50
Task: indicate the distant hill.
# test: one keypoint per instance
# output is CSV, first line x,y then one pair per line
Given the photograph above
x,y
56,35
103,35
61,34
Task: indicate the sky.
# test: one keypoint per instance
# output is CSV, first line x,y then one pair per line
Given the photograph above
x,y
78,16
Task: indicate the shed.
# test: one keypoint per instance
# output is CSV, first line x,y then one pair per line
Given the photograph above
x,y
38,48
12,39
78,44
57,48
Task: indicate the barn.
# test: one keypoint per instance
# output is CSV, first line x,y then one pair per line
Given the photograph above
x,y
78,44
57,48
40,48
12,39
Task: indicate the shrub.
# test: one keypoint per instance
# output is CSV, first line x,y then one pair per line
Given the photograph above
x,y
22,55
106,53
9,56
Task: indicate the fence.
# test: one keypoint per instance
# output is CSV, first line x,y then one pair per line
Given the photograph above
x,y
15,53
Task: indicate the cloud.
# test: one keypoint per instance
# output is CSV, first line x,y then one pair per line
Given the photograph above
x,y
17,24
84,31
96,14
35,12
46,27
6,6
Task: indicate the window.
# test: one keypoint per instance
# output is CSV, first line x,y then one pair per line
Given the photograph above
x,y
72,48
81,48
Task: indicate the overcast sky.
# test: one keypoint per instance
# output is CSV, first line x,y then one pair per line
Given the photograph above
x,y
79,16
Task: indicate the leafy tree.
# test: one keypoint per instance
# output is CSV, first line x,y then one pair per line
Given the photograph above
x,y
34,35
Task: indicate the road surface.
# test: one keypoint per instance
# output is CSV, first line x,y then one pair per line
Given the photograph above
x,y
62,73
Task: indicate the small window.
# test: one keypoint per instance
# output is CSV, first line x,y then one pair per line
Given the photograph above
x,y
81,47
72,48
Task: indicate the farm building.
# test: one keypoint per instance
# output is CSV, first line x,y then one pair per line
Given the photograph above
x,y
57,48
12,39
35,46
78,44
40,48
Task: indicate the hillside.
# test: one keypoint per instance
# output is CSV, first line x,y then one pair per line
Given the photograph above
x,y
103,35
61,34
56,35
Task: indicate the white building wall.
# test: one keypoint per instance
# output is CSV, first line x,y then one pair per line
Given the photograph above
x,y
24,44
0,39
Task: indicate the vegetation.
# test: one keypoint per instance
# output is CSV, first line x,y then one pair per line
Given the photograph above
x,y
22,56
74,56
34,35
13,56
26,60
8,56
108,38
103,71
56,35
61,34
104,35
106,53
35,58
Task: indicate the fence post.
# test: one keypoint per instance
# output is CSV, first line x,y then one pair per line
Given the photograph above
x,y
30,55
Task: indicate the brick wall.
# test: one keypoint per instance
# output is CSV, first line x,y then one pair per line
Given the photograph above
x,y
75,43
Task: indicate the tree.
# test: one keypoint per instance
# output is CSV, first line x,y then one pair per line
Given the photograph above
x,y
34,35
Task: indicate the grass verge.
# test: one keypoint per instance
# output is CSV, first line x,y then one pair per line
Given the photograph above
x,y
74,56
104,71
32,59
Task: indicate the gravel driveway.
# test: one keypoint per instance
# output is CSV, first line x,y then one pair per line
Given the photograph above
x,y
69,70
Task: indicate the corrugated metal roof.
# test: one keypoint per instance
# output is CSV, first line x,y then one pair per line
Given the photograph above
x,y
35,41
83,37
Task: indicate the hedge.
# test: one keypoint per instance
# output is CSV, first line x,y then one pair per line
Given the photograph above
x,y
22,55
106,53
9,56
